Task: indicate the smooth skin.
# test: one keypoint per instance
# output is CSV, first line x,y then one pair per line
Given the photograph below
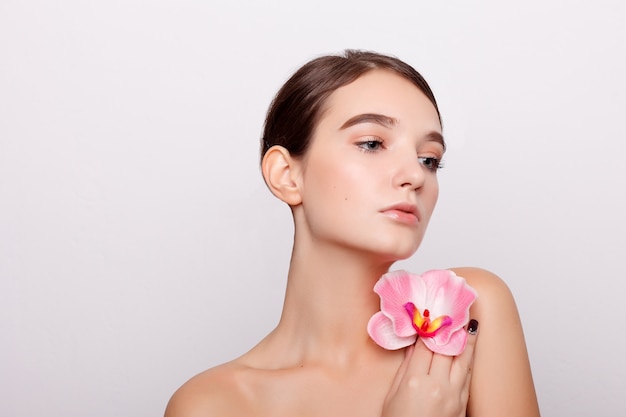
x,y
319,360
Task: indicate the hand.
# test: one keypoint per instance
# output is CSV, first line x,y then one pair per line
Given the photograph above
x,y
431,385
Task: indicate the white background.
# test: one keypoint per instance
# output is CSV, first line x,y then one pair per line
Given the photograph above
x,y
139,246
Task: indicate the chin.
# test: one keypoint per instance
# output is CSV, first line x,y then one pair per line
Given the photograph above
x,y
398,253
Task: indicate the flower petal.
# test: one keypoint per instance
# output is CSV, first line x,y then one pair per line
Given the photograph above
x,y
395,289
381,330
448,294
438,295
452,347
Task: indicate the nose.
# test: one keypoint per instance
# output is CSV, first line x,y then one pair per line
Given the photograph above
x,y
409,173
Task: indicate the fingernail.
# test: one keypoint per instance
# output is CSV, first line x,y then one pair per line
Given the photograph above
x,y
472,327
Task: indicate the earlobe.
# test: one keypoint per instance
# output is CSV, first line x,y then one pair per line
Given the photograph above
x,y
280,174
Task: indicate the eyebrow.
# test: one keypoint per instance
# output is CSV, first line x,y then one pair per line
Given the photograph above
x,y
436,137
388,122
379,119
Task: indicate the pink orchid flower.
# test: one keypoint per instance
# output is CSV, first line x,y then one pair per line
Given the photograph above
x,y
433,306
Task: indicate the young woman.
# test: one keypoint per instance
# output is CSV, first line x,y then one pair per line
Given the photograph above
x,y
352,144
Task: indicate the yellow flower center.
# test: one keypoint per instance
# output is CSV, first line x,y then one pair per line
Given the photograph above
x,y
422,323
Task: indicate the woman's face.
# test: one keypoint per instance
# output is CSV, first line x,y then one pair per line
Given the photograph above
x,y
368,180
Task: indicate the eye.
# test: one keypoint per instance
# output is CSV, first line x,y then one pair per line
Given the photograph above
x,y
431,163
372,145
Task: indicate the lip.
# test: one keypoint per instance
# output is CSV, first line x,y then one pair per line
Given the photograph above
x,y
403,212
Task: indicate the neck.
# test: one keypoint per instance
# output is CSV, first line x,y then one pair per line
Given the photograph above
x,y
328,303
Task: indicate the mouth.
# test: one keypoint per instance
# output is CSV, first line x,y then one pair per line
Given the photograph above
x,y
404,213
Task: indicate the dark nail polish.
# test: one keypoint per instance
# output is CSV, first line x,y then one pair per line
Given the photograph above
x,y
472,327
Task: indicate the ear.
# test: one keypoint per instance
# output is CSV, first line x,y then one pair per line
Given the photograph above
x,y
281,172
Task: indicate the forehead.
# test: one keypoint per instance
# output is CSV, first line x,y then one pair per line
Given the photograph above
x,y
381,92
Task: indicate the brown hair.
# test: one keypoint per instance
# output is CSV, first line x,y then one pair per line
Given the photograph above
x,y
297,107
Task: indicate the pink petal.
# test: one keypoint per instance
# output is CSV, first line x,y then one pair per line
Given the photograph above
x,y
445,288
380,329
442,292
453,347
448,294
395,289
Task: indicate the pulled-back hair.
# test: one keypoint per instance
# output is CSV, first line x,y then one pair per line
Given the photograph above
x,y
295,111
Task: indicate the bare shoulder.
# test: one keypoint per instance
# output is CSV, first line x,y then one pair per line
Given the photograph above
x,y
502,381
495,307
492,290
483,280
212,392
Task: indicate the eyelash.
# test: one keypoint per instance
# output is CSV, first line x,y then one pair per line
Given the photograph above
x,y
429,162
364,145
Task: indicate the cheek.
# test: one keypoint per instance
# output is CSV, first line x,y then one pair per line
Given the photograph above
x,y
431,196
335,176
324,189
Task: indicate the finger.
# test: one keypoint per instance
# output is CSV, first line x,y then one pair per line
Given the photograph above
x,y
408,353
441,366
462,366
421,359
